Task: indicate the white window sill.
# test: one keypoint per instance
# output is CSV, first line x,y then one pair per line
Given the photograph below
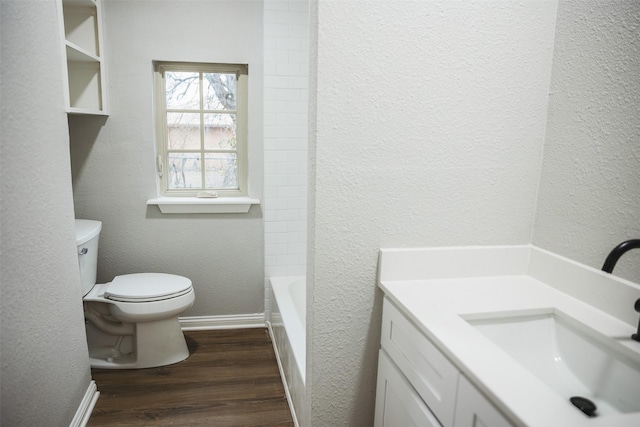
x,y
181,205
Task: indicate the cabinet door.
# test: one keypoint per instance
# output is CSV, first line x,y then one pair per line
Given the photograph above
x,y
474,410
430,373
397,403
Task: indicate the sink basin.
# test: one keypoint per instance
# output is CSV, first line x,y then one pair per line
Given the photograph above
x,y
569,357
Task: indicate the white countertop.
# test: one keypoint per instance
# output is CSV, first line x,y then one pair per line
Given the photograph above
x,y
436,307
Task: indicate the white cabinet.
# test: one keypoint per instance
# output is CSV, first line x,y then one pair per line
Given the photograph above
x,y
429,372
85,83
474,410
397,404
418,386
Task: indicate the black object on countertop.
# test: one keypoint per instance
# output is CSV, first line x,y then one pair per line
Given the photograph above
x,y
611,261
585,405
617,252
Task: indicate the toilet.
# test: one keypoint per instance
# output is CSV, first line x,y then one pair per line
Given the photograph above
x,y
132,321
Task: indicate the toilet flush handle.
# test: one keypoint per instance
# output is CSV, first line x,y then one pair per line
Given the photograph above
x,y
83,251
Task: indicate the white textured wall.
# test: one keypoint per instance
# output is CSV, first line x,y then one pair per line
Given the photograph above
x,y
45,364
590,187
114,164
286,59
429,122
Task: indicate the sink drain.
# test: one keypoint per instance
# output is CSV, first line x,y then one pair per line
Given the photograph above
x,y
585,405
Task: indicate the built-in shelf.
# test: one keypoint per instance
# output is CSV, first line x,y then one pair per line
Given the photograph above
x,y
85,91
77,54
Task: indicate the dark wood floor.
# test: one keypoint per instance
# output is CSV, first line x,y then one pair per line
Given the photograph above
x,y
231,378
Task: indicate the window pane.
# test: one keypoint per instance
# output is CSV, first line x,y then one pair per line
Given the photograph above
x,y
183,90
219,131
184,171
183,131
219,91
221,170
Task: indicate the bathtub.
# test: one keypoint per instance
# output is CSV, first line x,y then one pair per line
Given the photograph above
x,y
287,325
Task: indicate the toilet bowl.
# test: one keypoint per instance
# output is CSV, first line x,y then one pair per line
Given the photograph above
x,y
132,321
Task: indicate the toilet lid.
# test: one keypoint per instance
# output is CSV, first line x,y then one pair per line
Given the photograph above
x,y
142,287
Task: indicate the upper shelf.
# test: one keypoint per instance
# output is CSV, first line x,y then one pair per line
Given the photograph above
x,y
82,38
77,54
81,25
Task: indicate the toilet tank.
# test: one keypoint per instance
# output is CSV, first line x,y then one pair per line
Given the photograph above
x,y
87,235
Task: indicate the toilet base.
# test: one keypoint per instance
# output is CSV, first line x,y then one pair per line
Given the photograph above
x,y
156,343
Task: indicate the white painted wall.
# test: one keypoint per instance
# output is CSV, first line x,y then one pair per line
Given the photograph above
x,y
429,122
44,358
114,162
590,186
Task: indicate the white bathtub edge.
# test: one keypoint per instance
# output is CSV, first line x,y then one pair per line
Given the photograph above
x,y
293,325
283,376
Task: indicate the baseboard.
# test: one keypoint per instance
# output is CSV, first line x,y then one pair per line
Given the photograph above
x,y
86,406
236,321
283,376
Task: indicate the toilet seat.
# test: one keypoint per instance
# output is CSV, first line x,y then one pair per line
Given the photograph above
x,y
147,287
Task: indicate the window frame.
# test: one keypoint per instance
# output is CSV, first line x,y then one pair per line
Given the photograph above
x,y
241,112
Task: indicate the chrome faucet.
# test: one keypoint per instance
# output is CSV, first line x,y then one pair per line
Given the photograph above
x,y
611,261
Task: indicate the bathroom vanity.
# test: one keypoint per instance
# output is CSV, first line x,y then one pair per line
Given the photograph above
x,y
504,336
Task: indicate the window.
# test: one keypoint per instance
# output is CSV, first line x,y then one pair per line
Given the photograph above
x,y
201,119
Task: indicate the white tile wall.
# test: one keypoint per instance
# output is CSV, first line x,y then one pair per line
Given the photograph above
x,y
286,59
